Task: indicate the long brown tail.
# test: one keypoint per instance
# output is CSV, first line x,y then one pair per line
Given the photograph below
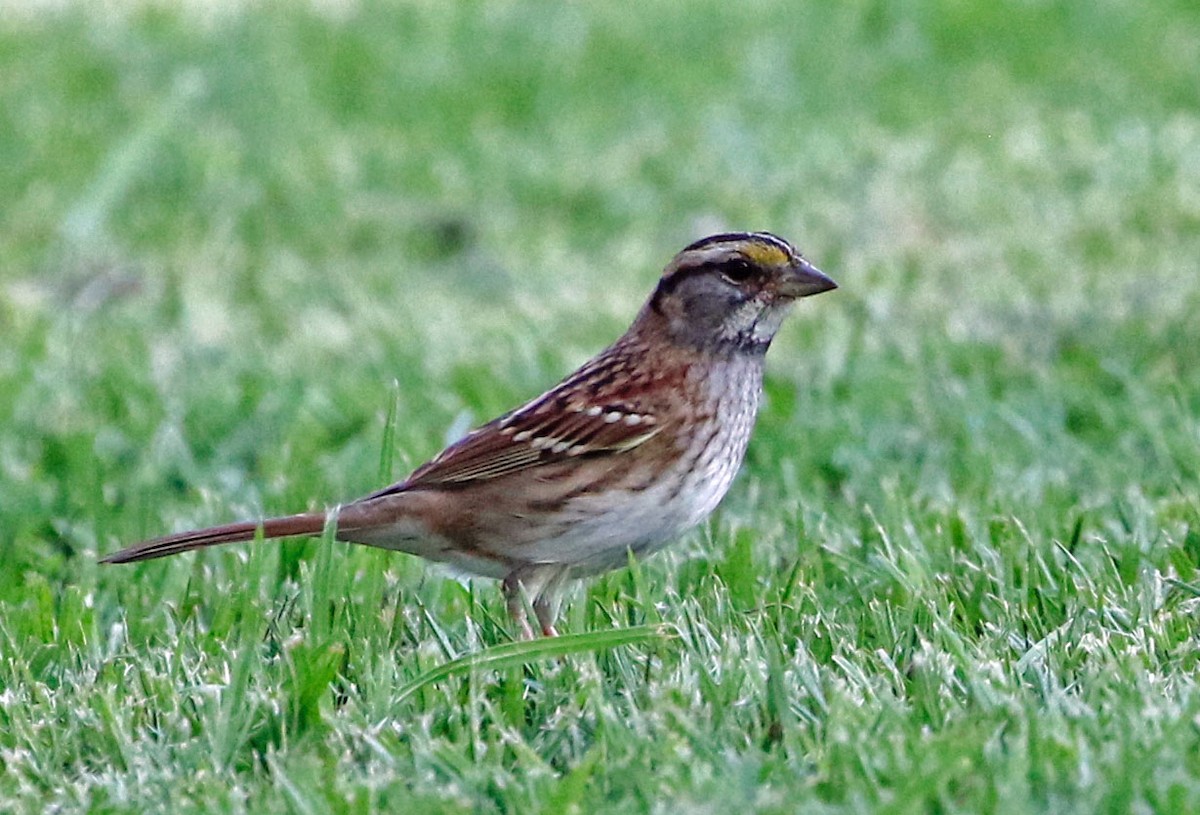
x,y
311,523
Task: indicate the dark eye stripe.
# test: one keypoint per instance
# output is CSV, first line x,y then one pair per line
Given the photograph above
x,y
737,270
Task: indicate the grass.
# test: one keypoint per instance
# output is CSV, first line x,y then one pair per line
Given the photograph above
x,y
263,257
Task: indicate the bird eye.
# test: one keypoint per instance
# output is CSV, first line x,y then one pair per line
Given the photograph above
x,y
737,271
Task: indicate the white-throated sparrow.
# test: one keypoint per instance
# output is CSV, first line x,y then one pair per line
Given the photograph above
x,y
623,455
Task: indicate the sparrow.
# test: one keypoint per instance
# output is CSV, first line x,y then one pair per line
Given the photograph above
x,y
620,458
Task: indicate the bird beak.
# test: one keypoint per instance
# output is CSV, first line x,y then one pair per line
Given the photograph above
x,y
804,280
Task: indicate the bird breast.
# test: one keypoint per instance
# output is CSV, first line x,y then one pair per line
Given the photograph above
x,y
650,504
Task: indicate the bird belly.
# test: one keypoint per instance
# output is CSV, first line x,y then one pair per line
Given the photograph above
x,y
597,532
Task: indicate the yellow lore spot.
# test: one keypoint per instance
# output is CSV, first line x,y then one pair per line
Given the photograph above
x,y
764,254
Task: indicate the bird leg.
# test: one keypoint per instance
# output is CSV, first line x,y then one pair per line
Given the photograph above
x,y
514,599
545,609
543,585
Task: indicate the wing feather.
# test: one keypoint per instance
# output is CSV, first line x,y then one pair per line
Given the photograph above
x,y
542,432
613,404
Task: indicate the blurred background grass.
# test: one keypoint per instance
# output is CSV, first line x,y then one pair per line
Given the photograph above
x,y
236,235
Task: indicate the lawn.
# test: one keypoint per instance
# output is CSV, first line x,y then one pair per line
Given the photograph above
x,y
258,258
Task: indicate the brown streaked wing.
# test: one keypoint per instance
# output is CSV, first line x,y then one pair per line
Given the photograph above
x,y
540,433
610,405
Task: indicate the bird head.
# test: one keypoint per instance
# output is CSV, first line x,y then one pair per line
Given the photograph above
x,y
731,291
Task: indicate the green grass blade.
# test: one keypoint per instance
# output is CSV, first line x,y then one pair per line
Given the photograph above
x,y
510,654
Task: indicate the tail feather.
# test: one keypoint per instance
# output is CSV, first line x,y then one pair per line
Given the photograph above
x,y
311,523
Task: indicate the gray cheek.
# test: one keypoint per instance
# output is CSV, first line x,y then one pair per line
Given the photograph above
x,y
709,313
